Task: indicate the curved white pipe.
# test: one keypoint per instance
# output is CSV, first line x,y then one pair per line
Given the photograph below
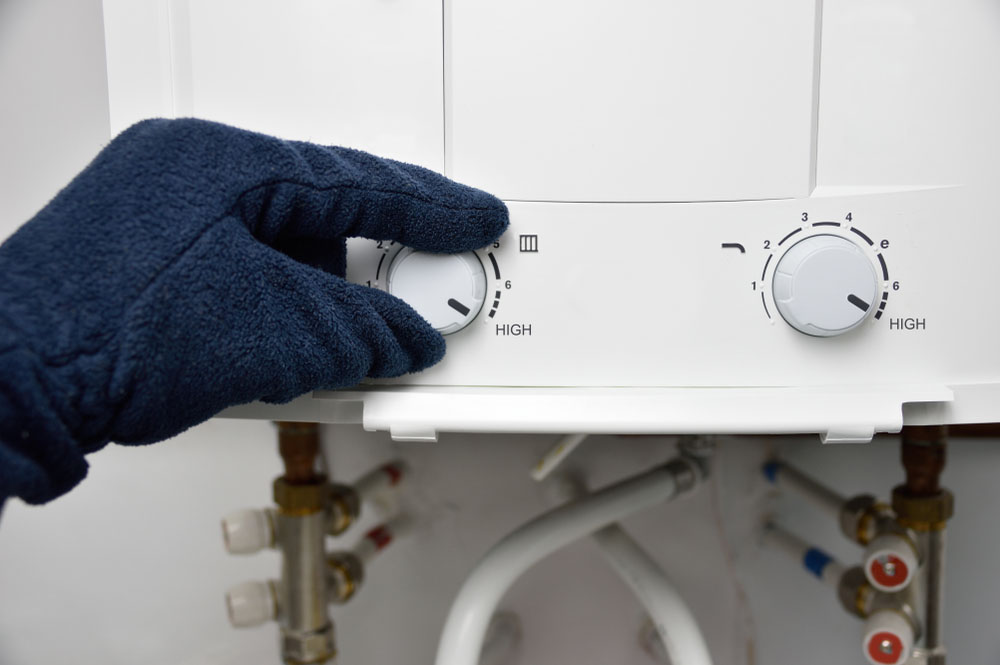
x,y
682,638
503,637
679,635
465,628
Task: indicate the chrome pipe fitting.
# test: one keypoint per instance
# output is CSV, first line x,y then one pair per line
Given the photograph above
x,y
306,630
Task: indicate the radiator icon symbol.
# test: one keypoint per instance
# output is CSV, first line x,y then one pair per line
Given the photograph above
x,y
529,243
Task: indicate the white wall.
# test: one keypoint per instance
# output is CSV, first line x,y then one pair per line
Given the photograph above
x,y
129,567
53,100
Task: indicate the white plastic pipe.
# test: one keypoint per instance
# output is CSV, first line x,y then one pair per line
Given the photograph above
x,y
680,638
465,628
503,637
790,479
555,455
380,537
813,559
678,630
380,480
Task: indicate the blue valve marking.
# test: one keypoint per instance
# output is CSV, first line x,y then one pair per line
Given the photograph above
x,y
771,471
815,560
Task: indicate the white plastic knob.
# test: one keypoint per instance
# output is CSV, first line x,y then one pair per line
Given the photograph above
x,y
825,285
446,289
890,562
888,638
251,604
248,531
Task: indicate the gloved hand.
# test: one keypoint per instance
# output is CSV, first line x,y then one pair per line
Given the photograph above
x,y
194,266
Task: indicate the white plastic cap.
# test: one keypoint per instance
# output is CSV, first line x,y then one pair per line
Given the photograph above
x,y
890,562
247,531
888,638
251,604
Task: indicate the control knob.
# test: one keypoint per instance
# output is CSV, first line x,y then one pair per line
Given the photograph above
x,y
825,285
446,289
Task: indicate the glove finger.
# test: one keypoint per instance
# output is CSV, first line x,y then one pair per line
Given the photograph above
x,y
324,332
282,189
397,338
351,193
362,332
390,200
423,345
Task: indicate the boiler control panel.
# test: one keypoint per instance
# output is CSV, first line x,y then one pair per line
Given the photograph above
x,y
832,290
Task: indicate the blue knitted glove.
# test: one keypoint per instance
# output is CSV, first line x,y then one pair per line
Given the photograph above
x,y
194,266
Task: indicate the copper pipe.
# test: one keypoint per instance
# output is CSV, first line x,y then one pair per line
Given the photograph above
x,y
923,454
298,444
976,429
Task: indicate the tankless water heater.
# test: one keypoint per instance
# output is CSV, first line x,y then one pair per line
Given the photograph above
x,y
776,216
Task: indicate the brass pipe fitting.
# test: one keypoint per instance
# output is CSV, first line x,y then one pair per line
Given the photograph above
x,y
920,503
345,574
923,456
300,499
861,599
308,509
298,444
344,506
864,517
923,514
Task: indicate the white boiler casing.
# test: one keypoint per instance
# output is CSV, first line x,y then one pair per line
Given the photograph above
x,y
659,160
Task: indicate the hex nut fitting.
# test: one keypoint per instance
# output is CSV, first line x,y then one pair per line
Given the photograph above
x,y
308,648
304,499
857,518
345,574
854,592
345,506
923,513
